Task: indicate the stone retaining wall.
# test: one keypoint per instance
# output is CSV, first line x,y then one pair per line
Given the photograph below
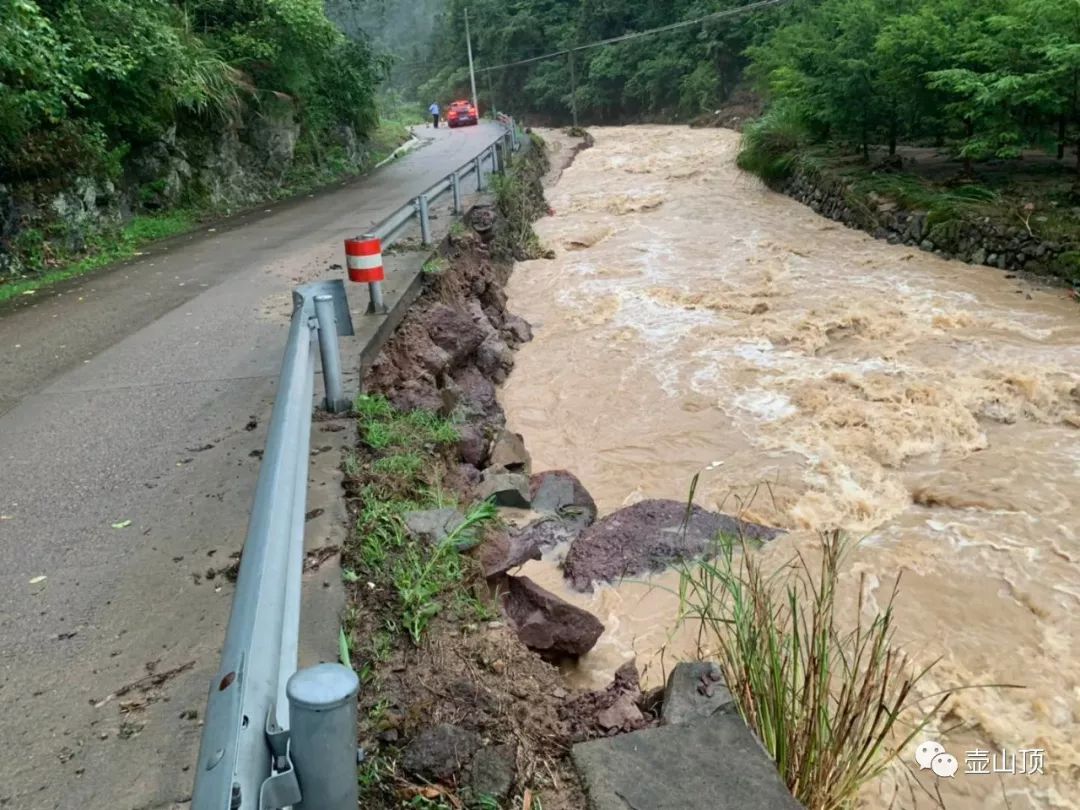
x,y
977,241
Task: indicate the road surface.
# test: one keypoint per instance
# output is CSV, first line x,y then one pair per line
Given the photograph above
x,y
142,394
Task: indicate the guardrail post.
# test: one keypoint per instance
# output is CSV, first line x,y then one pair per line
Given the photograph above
x,y
495,157
479,171
500,156
331,356
425,219
455,187
322,736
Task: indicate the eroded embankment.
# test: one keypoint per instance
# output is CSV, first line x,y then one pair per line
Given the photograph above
x,y
459,702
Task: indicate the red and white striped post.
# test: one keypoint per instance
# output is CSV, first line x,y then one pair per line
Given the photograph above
x,y
363,255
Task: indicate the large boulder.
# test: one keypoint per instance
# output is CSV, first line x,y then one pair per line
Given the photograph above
x,y
472,445
495,359
649,536
560,492
566,509
547,624
518,329
439,754
453,331
478,396
491,774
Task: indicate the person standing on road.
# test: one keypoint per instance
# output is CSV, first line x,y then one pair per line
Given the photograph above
x,y
434,110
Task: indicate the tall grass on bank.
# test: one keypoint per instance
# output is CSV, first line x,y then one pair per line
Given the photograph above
x,y
770,146
825,701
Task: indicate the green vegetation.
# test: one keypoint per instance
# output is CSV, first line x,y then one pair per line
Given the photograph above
x,y
833,702
519,195
87,86
86,80
100,250
989,77
402,472
675,75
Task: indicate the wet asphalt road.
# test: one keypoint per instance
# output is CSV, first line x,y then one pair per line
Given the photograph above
x,y
140,394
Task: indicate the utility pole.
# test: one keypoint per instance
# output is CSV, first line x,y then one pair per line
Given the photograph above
x,y
573,88
472,73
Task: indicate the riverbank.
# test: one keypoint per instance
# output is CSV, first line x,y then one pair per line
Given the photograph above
x,y
464,661
1016,215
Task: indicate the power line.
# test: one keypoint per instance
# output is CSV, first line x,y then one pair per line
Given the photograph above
x,y
716,15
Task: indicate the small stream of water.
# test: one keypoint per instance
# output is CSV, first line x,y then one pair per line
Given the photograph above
x,y
694,320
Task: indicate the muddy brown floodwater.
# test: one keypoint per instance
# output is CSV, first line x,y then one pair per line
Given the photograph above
x,y
695,321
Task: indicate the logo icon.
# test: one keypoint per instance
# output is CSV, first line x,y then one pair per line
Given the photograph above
x,y
932,756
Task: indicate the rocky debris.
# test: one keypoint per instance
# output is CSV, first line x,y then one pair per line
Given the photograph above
x,y
517,329
495,359
439,754
649,536
472,445
432,526
507,489
492,772
694,690
509,453
453,331
505,551
616,709
545,623
566,507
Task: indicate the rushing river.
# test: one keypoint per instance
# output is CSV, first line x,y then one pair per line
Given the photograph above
x,y
695,321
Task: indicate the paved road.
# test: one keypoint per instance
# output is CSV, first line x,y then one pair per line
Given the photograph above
x,y
140,395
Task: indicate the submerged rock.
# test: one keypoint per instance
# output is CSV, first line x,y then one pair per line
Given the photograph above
x,y
547,624
649,536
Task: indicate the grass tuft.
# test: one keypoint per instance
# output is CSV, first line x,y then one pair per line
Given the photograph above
x,y
825,700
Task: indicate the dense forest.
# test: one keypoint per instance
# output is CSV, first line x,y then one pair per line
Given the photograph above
x,y
82,82
674,75
990,76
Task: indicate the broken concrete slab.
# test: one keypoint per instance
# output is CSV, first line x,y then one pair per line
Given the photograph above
x,y
714,763
694,689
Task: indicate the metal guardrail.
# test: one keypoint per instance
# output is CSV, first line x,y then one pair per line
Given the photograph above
x,y
275,737
389,230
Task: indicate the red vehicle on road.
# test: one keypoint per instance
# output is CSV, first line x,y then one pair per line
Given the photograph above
x,y
462,114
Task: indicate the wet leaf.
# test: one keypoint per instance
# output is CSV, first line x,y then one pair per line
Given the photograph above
x,y
123,524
